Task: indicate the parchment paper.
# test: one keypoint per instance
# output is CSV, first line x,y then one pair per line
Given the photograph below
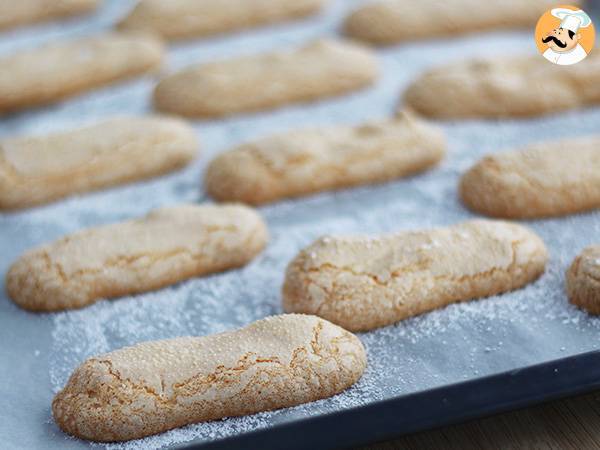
x,y
536,324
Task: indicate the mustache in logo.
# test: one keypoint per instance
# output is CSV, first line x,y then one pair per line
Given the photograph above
x,y
556,41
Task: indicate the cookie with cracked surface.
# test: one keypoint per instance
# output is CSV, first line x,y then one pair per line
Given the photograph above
x,y
509,86
152,387
66,68
363,283
392,21
252,83
166,246
40,169
307,161
545,179
184,19
583,280
25,12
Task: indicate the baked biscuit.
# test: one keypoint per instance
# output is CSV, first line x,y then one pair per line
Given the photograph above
x,y
167,246
35,170
361,283
544,179
302,162
509,86
24,12
182,19
67,68
583,280
392,21
152,387
252,83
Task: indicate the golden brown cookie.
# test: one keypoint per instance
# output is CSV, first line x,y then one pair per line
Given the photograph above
x,y
166,246
152,387
583,280
545,179
504,86
362,283
14,13
183,19
306,161
258,82
40,169
391,21
67,68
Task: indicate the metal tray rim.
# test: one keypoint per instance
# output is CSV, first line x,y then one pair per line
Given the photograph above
x,y
432,408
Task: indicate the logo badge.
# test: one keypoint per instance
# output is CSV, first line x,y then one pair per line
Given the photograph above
x,y
565,35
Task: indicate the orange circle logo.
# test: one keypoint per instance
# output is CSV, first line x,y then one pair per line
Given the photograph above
x,y
565,35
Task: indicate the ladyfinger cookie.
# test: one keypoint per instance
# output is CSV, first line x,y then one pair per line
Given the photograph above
x,y
23,12
182,19
504,87
583,280
167,246
544,179
363,283
36,170
391,21
306,161
66,68
152,387
251,83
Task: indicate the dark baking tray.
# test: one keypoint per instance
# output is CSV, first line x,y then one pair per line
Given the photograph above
x,y
428,409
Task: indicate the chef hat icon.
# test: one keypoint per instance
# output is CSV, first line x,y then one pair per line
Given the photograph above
x,y
572,20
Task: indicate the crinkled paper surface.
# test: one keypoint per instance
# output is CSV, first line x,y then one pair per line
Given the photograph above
x,y
460,342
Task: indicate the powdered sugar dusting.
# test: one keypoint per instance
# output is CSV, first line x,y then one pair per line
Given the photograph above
x,y
457,343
